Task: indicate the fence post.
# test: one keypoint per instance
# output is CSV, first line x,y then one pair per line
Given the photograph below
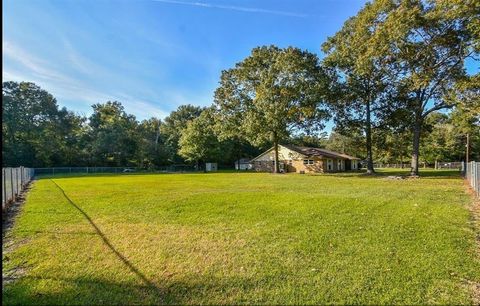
x,y
4,189
18,181
474,178
17,171
11,183
21,176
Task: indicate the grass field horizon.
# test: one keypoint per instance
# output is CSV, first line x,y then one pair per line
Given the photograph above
x,y
244,238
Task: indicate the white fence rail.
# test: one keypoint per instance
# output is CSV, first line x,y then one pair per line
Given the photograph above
x,y
472,175
14,181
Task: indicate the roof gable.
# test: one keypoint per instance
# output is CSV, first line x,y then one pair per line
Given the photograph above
x,y
310,152
284,146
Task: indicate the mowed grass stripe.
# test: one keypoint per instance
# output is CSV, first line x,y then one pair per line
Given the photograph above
x,y
246,238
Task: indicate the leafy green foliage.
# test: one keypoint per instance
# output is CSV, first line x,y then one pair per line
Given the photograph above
x,y
353,144
151,144
361,80
112,134
384,76
272,94
199,142
35,132
425,44
174,125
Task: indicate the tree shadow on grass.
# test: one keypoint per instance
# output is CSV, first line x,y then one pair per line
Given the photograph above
x,y
46,290
36,290
107,242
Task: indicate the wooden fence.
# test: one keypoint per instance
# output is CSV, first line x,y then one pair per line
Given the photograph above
x,y
14,181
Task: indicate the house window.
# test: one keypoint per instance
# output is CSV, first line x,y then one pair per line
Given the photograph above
x,y
339,164
308,161
329,164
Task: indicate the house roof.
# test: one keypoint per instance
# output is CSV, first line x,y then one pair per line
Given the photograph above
x,y
312,151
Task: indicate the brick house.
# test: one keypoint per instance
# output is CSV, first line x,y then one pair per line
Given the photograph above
x,y
305,160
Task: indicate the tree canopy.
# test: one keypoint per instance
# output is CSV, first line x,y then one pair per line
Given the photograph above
x,y
393,80
272,94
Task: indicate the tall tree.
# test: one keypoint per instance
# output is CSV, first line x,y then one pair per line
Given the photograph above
x,y
352,144
271,94
151,148
439,140
392,145
199,142
113,138
35,132
174,125
362,79
319,140
426,44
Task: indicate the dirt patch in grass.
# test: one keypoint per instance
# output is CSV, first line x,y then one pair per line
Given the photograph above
x,y
12,275
475,218
9,215
8,243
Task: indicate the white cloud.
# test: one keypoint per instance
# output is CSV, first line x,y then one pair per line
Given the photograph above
x,y
63,87
79,62
34,65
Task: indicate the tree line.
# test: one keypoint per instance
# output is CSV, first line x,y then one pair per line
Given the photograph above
x,y
37,133
393,80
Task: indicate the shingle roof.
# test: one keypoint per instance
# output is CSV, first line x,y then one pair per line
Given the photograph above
x,y
311,151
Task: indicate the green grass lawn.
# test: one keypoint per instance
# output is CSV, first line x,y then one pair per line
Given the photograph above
x,y
244,238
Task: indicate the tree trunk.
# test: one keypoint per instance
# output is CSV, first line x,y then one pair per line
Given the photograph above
x,y
157,136
276,168
368,132
238,155
416,145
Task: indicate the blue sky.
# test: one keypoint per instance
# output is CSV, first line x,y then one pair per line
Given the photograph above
x,y
151,55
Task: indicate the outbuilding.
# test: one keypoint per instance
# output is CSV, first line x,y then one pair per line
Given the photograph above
x,y
305,160
209,167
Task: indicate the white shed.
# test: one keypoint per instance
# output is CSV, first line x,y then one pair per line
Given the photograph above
x,y
209,167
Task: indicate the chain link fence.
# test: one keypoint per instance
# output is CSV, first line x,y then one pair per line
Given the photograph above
x,y
99,170
386,165
14,181
449,165
77,170
455,165
472,175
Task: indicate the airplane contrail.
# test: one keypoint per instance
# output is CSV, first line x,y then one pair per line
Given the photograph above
x,y
234,8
